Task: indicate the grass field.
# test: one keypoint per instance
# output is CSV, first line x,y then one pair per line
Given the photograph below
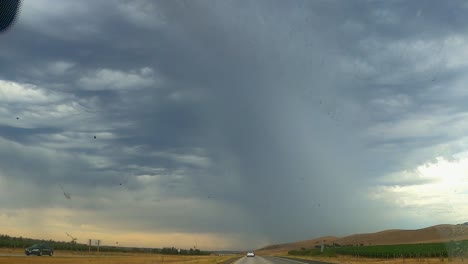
x,y
67,257
356,260
427,250
452,252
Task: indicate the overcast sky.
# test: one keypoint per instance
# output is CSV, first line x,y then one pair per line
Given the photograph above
x,y
232,124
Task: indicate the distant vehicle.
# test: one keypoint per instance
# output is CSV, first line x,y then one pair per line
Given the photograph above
x,y
250,254
39,250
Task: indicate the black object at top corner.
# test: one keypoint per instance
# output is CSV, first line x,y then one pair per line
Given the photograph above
x,y
9,10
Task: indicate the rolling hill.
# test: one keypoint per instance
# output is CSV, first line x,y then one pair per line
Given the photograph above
x,y
438,233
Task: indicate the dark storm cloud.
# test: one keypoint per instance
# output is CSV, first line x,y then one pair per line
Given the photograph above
x,y
284,112
19,134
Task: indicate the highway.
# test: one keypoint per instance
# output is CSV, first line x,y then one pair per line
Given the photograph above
x,y
273,260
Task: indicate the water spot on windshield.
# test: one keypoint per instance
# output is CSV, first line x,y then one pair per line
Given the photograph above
x,y
66,194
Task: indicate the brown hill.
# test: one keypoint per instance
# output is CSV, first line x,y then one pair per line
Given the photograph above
x,y
438,233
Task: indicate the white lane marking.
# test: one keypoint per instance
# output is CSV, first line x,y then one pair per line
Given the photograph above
x,y
295,261
264,260
235,262
256,259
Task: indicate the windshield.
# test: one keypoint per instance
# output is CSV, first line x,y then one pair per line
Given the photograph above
x,y
190,127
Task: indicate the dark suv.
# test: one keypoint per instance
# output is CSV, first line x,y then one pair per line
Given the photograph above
x,y
39,249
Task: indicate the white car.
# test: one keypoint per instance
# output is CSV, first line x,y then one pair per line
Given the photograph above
x,y
250,254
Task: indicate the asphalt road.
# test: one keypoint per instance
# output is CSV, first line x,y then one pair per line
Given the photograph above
x,y
273,260
34,256
11,255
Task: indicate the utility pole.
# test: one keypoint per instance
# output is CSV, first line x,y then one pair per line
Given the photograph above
x,y
89,246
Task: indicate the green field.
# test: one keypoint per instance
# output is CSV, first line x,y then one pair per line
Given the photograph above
x,y
429,250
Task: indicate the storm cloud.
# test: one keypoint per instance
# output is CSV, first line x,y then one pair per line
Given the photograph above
x,y
231,124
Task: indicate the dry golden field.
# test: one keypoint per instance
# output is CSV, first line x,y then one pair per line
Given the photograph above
x,y
16,257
